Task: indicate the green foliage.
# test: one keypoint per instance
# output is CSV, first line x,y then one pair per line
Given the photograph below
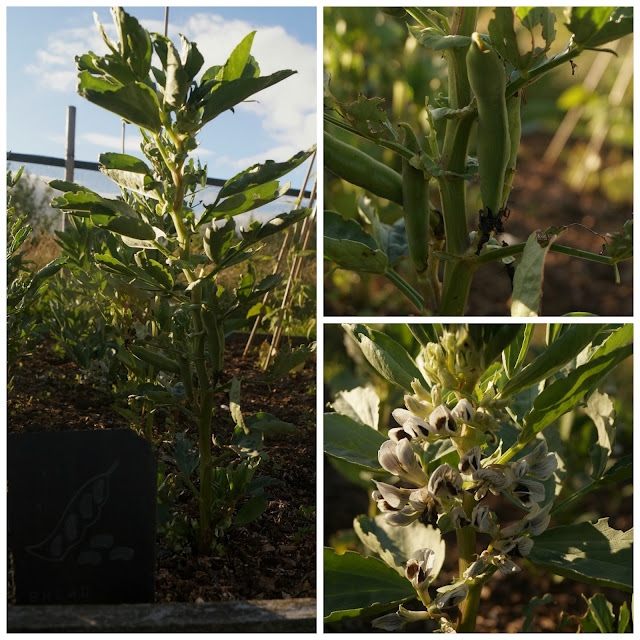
x,y
158,257
520,392
24,286
486,75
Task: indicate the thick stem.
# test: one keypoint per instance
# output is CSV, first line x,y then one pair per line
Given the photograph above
x,y
468,622
205,470
457,282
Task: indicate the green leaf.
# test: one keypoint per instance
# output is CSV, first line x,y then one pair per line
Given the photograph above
x,y
619,472
514,354
108,263
586,552
360,404
157,274
287,360
356,586
192,57
251,510
354,256
505,41
136,102
268,424
258,232
624,616
527,281
185,455
226,95
528,610
553,358
424,333
245,201
45,272
218,239
600,410
258,174
349,440
496,338
564,393
234,66
337,228
135,42
176,79
389,358
369,117
596,26
130,227
395,545
600,614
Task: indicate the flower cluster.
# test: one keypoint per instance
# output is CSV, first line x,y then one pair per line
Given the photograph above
x,y
457,492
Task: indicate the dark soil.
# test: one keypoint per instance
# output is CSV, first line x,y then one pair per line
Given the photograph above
x,y
273,557
540,199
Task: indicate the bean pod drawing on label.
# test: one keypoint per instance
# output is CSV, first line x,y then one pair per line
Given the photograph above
x,y
82,510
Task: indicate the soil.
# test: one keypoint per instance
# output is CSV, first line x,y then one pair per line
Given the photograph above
x,y
274,556
540,199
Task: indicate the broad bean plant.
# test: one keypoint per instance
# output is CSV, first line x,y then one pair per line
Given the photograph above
x,y
471,452
487,76
165,251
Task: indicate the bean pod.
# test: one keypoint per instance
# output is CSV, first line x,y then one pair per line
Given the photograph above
x,y
415,204
487,79
157,360
515,131
361,169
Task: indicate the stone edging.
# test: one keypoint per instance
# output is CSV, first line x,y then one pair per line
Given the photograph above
x,y
251,616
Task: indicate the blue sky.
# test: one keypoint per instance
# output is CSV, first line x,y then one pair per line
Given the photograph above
x,y
41,79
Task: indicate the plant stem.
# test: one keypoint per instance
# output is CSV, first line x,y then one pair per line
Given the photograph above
x,y
575,496
455,290
517,249
406,288
205,470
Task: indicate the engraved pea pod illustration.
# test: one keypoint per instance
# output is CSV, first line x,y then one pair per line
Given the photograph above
x,y
82,510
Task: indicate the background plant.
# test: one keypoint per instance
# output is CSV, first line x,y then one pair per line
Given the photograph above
x,y
176,350
438,147
24,284
486,412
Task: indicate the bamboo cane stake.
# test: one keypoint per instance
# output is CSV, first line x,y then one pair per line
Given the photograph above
x,y
572,117
293,275
282,253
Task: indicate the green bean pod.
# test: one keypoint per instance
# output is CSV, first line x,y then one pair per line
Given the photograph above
x,y
487,79
157,360
515,131
415,204
361,169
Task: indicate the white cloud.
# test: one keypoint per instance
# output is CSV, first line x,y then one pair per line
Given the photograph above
x,y
287,111
105,141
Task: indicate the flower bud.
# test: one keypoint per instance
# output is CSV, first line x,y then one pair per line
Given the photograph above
x,y
436,395
420,391
477,567
419,408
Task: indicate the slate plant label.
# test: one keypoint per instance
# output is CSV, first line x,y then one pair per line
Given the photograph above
x,y
81,510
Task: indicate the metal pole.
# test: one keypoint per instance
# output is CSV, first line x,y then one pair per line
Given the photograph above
x,y
70,151
166,21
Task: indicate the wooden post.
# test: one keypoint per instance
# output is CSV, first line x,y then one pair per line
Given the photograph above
x,y
69,156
